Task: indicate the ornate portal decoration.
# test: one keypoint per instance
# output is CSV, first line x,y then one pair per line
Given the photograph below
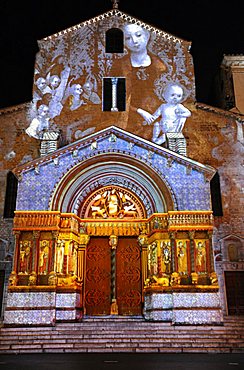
x,y
113,202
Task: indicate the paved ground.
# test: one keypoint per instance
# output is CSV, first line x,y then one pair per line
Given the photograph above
x,y
125,361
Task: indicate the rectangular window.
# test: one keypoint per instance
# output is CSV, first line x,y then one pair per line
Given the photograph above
x,y
10,196
216,195
114,94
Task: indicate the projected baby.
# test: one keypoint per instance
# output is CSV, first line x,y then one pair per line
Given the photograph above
x,y
173,116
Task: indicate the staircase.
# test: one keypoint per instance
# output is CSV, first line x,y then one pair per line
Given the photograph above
x,y
125,334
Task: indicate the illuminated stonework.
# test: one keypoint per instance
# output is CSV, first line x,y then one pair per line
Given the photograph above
x,y
119,219
71,67
184,308
113,202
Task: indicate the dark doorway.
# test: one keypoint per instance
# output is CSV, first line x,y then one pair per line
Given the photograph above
x,y
234,282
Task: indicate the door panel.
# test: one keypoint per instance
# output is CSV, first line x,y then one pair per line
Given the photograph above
x,y
98,277
128,268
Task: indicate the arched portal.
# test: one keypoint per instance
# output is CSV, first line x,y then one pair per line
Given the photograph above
x,y
124,191
100,171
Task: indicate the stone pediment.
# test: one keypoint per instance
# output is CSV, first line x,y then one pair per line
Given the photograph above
x,y
112,156
117,141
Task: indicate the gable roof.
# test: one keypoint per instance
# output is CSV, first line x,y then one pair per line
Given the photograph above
x,y
116,13
112,133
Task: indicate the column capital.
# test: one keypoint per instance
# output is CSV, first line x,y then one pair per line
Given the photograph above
x,y
36,234
191,234
172,234
113,241
143,240
16,234
55,234
84,239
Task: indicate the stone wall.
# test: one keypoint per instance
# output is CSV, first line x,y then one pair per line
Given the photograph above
x,y
214,137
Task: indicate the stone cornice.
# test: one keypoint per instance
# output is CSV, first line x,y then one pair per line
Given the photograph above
x,y
233,61
112,133
219,111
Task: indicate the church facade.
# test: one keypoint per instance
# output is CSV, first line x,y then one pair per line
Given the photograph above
x,y
117,173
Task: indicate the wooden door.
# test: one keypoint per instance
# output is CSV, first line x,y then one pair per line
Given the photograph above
x,y
98,277
128,279
234,282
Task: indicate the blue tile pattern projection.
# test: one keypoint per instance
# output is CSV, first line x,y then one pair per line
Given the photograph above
x,y
190,191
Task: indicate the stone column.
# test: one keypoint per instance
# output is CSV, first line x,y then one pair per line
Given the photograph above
x,y
211,256
114,94
35,256
113,242
172,236
143,242
192,248
81,265
53,251
16,251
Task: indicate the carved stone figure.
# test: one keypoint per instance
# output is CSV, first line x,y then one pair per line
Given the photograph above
x,y
52,278
200,257
13,279
72,258
194,278
60,256
175,279
181,258
43,257
214,278
32,278
152,259
25,257
166,257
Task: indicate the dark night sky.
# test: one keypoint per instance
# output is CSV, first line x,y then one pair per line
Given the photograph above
x,y
214,28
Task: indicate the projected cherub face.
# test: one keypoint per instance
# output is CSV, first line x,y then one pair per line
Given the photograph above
x,y
87,87
173,94
43,111
54,81
41,83
136,38
76,90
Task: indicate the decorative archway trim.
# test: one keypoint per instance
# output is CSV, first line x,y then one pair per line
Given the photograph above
x,y
81,180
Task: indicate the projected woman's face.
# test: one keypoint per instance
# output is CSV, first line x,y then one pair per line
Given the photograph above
x,y
136,38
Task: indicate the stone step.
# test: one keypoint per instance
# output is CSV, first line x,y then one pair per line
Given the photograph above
x,y
118,334
118,331
113,335
107,339
120,339
144,347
